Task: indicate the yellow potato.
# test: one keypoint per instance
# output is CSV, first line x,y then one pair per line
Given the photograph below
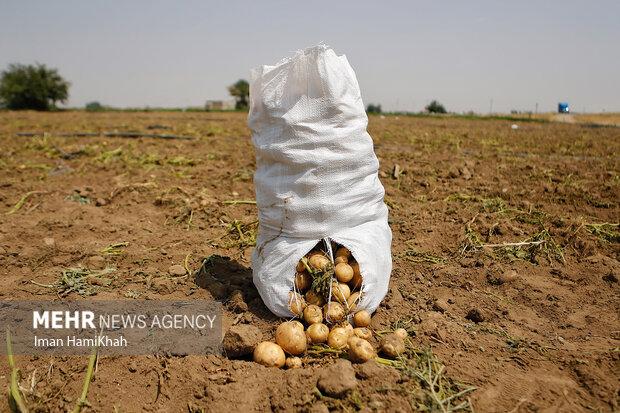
x,y
348,328
363,332
333,312
392,345
296,303
312,297
353,301
320,262
338,338
344,272
401,332
343,252
269,354
340,292
356,281
303,281
341,259
313,314
293,362
291,337
360,350
361,319
317,333
300,266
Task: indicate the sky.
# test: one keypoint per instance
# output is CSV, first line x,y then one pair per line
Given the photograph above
x,y
482,56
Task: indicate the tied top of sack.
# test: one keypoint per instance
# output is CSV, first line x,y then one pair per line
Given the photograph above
x,y
316,168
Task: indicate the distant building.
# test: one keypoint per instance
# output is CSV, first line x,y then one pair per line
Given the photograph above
x,y
563,107
220,105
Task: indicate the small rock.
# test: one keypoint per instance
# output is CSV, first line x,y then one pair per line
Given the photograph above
x,y
395,299
132,367
476,315
221,378
396,171
50,242
318,408
441,305
337,379
236,302
508,276
163,285
101,202
241,339
96,262
372,369
467,285
465,173
176,270
612,276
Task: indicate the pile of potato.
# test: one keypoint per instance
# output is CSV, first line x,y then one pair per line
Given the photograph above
x,y
317,276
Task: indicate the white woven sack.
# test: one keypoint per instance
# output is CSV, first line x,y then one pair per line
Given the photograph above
x,y
316,176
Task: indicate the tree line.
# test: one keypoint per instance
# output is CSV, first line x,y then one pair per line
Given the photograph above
x,y
38,87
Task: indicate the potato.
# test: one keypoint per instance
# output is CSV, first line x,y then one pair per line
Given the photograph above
x,y
269,354
356,281
401,332
303,281
312,297
344,272
291,337
341,260
361,318
352,301
293,362
300,266
363,332
360,350
343,252
392,345
333,312
348,328
340,292
338,338
296,303
317,333
313,314
319,262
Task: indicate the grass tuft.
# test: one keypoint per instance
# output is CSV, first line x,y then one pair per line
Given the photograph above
x,y
606,231
114,249
238,234
16,404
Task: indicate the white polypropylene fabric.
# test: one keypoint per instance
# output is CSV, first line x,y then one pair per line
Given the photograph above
x,y
316,174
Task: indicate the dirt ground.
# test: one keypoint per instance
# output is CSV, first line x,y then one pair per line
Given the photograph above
x,y
534,327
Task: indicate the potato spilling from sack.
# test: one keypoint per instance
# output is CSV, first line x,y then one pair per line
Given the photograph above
x,y
319,281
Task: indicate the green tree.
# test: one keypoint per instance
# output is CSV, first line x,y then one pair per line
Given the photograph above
x,y
32,87
94,107
372,108
435,107
241,92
